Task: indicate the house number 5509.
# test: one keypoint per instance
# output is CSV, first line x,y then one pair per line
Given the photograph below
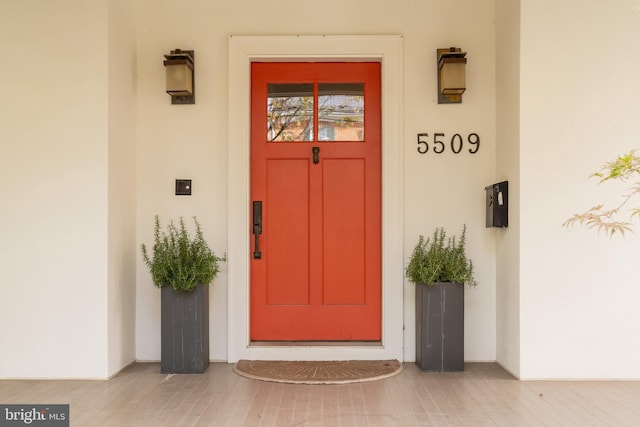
x,y
439,143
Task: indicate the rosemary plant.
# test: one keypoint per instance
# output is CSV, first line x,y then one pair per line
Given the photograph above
x,y
180,261
440,259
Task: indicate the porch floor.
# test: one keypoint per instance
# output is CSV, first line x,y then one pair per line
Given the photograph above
x,y
482,395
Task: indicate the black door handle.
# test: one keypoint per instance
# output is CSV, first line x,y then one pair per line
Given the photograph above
x,y
315,151
257,228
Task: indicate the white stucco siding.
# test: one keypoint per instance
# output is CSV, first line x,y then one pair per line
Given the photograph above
x,y
578,289
122,247
552,89
508,162
192,141
53,176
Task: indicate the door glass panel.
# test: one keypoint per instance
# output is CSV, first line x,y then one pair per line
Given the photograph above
x,y
341,112
290,112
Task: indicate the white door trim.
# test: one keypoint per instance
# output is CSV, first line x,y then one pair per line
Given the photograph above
x,y
242,51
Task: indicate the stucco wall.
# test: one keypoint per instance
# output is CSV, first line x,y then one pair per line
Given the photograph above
x,y
579,108
565,95
508,168
122,184
53,176
191,141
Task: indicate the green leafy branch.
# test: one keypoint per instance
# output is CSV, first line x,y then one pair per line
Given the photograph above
x,y
623,168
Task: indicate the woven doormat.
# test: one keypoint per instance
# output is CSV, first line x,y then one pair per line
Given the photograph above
x,y
320,372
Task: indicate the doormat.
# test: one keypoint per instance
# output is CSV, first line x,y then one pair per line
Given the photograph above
x,y
320,372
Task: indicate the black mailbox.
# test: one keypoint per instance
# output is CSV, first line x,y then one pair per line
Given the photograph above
x,y
497,203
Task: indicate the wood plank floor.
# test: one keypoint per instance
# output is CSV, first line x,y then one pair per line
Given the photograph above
x,y
483,395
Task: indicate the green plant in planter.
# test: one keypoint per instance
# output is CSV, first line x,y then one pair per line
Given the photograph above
x,y
440,259
180,261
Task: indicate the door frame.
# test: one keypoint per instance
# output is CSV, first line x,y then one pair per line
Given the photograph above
x,y
242,51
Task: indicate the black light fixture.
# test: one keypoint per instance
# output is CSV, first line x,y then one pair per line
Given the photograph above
x,y
451,75
179,67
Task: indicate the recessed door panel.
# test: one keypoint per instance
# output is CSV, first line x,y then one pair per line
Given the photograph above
x,y
287,222
344,245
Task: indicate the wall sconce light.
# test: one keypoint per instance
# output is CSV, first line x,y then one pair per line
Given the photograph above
x,y
180,76
451,75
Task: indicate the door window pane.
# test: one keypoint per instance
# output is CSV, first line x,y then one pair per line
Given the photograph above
x,y
290,112
341,112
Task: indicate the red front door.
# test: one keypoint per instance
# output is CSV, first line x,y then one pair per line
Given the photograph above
x,y
315,175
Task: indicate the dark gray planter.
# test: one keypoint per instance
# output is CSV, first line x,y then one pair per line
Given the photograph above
x,y
184,331
440,327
